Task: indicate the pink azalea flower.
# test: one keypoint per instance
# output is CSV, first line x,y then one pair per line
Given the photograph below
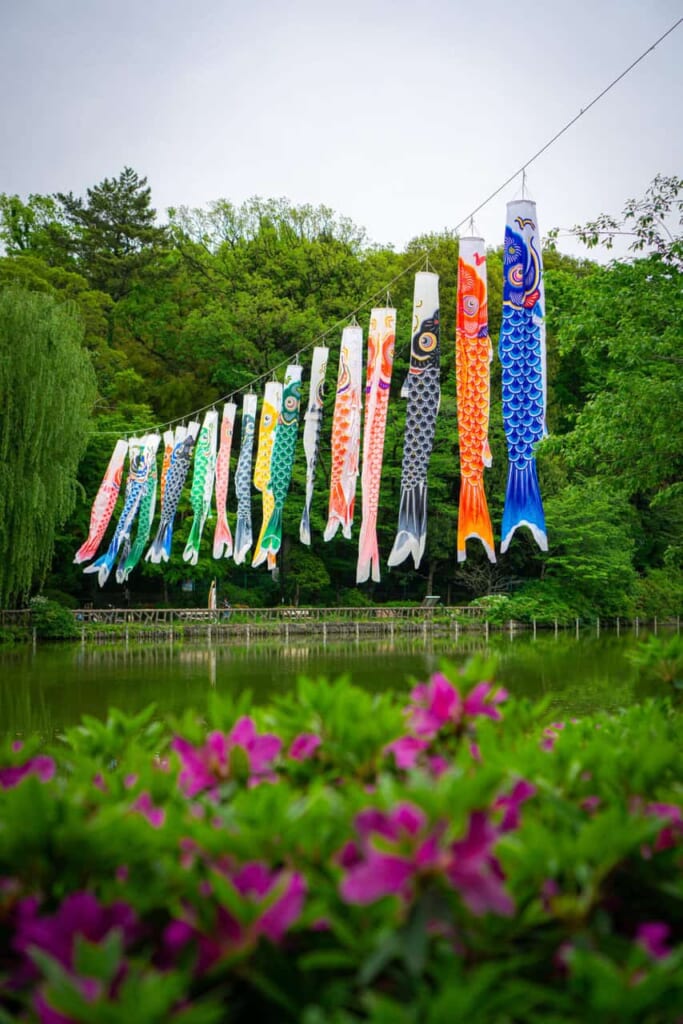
x,y
438,704
591,803
394,848
80,915
482,701
672,833
257,883
304,746
40,765
206,767
551,735
277,895
437,765
155,815
476,873
510,804
651,936
406,751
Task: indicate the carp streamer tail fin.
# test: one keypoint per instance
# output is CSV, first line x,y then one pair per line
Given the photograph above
x,y
474,519
222,538
271,540
523,505
368,551
243,539
305,527
191,552
160,551
412,526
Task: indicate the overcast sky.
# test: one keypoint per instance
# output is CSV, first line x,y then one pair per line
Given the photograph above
x,y
402,116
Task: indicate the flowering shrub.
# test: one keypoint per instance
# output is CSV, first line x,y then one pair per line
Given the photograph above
x,y
339,857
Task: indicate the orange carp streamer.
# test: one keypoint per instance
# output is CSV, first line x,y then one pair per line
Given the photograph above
x,y
473,355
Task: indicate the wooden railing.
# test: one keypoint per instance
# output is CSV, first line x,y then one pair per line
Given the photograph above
x,y
173,616
307,619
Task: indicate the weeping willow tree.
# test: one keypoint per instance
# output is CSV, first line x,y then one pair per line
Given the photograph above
x,y
47,389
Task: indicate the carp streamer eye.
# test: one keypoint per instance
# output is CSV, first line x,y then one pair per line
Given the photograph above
x,y
470,304
290,403
516,275
428,342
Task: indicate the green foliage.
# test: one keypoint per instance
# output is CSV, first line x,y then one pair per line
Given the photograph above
x,y
655,221
113,234
660,593
177,315
661,657
546,602
51,620
589,861
12,635
590,563
47,384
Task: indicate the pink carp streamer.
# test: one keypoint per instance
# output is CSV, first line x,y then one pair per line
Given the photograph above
x,y
104,503
381,340
222,538
346,421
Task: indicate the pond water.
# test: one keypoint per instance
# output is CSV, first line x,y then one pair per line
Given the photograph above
x,y
50,688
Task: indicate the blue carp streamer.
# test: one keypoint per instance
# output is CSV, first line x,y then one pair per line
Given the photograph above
x,y
522,356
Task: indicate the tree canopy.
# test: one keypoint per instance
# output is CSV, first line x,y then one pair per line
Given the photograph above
x,y
48,389
175,315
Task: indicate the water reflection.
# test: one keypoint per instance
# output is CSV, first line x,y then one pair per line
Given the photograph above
x,y
46,690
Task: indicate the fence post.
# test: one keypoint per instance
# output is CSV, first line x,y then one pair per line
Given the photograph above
x,y
577,625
